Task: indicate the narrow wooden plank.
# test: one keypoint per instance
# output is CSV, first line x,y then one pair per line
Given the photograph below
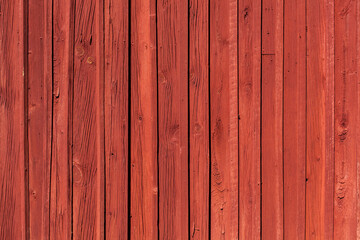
x,y
117,117
272,119
61,164
13,206
320,120
224,119
249,118
88,139
199,118
346,120
172,26
144,186
39,115
294,119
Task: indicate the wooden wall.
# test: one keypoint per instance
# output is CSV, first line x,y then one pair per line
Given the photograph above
x,y
180,119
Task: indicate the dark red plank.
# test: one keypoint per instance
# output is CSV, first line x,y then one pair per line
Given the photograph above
x,y
346,120
13,195
39,115
172,27
294,119
199,118
116,117
224,119
144,186
320,120
272,119
88,126
249,118
61,164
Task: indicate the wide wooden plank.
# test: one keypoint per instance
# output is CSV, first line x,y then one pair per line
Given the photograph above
x,y
320,120
199,118
13,190
224,119
346,120
294,119
144,167
172,35
88,126
249,118
61,164
39,115
272,119
117,118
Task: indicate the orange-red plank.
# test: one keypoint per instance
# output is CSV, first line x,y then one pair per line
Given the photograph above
x,y
249,118
61,164
320,120
88,135
224,119
294,119
144,186
116,117
39,115
13,206
346,119
199,118
172,35
272,119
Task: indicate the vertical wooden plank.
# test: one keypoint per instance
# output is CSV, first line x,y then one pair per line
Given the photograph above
x,y
61,164
294,119
199,118
320,120
117,118
346,120
88,139
224,119
13,206
172,26
249,118
144,186
39,115
272,119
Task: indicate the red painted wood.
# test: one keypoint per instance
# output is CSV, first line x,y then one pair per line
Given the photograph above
x,y
178,119
61,162
346,120
39,113
172,36
199,118
224,119
272,119
249,118
294,119
320,120
88,139
13,200
116,118
144,161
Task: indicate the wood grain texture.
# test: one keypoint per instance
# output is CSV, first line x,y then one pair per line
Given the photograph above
x,y
320,120
346,120
224,119
249,118
88,139
172,27
144,165
61,164
272,119
39,111
294,119
199,118
117,118
13,200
